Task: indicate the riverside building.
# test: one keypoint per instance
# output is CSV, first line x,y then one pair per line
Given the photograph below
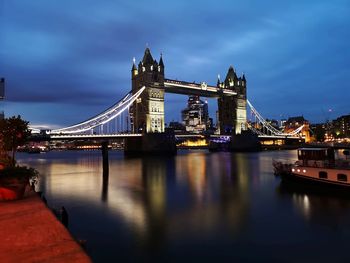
x,y
195,116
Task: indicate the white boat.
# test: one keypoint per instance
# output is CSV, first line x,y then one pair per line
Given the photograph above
x,y
320,166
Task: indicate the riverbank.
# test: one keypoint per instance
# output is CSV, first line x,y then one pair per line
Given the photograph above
x,y
31,233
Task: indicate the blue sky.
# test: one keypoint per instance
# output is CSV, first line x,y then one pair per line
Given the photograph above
x,y
65,61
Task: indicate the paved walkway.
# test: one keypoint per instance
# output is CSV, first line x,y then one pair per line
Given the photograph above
x,y
29,232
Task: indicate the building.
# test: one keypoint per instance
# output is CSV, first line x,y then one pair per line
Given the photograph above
x,y
294,123
341,127
319,131
282,124
273,123
332,130
178,127
195,116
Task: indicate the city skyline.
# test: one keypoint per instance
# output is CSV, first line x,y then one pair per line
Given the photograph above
x,y
65,62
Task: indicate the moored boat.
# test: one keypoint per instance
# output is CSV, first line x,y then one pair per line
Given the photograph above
x,y
281,168
320,166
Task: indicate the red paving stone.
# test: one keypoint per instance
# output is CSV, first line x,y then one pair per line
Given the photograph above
x,y
30,232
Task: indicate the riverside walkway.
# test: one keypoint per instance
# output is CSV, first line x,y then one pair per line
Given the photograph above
x,y
30,232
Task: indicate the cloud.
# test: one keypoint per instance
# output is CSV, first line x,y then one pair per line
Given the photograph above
x,y
77,55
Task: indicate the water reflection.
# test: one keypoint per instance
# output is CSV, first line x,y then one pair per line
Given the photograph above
x,y
316,205
125,189
196,175
175,206
216,193
105,181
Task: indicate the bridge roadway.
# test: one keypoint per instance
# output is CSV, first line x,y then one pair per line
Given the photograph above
x,y
127,135
193,88
57,137
92,136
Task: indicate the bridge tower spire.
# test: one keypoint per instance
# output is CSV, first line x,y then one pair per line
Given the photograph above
x,y
161,64
233,109
147,112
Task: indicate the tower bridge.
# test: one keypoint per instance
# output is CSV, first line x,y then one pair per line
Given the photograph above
x,y
147,113
144,104
141,111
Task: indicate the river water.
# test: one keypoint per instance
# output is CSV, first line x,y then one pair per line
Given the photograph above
x,y
196,206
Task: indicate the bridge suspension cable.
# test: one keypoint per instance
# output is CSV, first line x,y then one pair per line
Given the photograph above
x,y
103,117
256,131
268,126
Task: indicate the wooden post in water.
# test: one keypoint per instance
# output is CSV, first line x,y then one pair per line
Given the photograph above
x,y
105,174
105,158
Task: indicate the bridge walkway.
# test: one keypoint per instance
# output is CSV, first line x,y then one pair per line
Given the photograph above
x,y
31,233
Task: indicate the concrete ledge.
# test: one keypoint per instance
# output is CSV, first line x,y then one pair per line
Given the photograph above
x,y
30,232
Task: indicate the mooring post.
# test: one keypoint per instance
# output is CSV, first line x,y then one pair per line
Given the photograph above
x,y
105,158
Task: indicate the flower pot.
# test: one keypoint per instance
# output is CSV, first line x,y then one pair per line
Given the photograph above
x,y
12,189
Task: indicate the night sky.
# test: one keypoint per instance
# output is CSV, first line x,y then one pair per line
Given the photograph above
x,y
65,61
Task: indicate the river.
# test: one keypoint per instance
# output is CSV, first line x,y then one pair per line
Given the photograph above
x,y
196,206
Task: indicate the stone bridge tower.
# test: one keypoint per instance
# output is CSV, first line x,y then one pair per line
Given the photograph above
x,y
233,109
147,112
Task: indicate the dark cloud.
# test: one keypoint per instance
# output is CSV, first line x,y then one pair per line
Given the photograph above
x,y
76,55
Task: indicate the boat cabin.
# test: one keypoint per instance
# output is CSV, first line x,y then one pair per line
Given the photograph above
x,y
316,154
316,157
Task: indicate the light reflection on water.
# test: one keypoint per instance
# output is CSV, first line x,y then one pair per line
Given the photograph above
x,y
194,206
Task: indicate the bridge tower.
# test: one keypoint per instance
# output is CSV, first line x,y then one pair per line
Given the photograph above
x,y
147,112
233,109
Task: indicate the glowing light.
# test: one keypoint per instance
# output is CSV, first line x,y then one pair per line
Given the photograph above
x,y
306,204
197,143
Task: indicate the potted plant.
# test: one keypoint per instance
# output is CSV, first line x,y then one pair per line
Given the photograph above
x,y
14,132
14,180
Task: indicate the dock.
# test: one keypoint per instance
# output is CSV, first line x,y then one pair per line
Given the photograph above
x,y
30,232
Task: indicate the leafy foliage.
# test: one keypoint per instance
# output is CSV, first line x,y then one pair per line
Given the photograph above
x,y
5,160
14,132
19,172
